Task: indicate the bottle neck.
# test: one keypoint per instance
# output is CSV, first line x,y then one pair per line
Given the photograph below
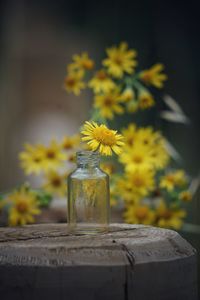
x,y
87,159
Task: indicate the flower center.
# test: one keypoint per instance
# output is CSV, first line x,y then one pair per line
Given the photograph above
x,y
166,214
141,212
130,141
147,77
67,145
146,141
108,101
118,60
101,75
50,154
145,100
56,182
71,158
137,159
70,82
170,178
104,136
87,64
37,159
22,206
138,181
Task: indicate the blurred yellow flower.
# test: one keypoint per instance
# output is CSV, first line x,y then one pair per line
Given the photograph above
x,y
73,82
159,155
139,214
169,218
173,179
81,62
138,183
108,167
153,76
31,160
70,142
138,156
109,104
145,100
148,137
120,60
144,148
53,156
185,196
24,207
55,183
130,134
101,82
100,138
128,95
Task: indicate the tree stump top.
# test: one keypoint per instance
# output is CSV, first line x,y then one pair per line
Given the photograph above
x,y
129,262
51,245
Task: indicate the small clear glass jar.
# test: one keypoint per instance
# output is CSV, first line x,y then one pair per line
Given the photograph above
x,y
88,196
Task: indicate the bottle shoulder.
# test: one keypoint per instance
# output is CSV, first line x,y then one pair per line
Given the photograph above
x,y
80,173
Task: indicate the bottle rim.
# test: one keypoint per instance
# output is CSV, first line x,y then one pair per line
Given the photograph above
x,y
87,157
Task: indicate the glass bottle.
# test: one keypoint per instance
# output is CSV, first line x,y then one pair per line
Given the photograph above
x,y
88,195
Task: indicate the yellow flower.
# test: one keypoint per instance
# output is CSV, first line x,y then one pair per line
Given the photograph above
x,y
173,179
109,104
146,136
81,62
101,82
70,142
31,160
144,148
128,95
146,100
53,156
136,184
130,134
120,60
24,207
159,156
139,214
136,157
56,183
100,138
73,82
169,218
156,143
153,76
185,196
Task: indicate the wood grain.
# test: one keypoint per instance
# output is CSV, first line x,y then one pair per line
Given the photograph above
x,y
129,262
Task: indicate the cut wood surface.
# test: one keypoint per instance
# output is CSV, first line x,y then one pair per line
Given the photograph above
x,y
129,262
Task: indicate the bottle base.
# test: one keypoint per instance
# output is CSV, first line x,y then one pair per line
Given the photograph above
x,y
87,229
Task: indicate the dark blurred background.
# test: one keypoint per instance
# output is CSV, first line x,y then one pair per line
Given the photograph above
x,y
37,40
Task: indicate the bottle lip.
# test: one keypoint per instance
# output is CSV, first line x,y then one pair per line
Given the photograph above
x,y
87,153
84,157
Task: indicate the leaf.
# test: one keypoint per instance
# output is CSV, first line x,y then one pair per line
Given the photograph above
x,y
172,151
194,185
171,103
175,114
174,117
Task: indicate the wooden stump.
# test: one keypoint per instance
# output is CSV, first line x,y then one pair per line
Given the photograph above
x,y
130,262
